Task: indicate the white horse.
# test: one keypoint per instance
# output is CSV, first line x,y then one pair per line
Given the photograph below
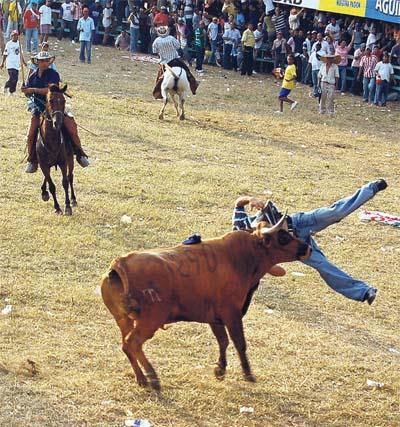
x,y
175,82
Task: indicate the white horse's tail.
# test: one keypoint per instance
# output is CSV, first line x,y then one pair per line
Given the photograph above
x,y
171,71
176,78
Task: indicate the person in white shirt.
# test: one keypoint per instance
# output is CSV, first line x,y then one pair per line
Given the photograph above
x,y
294,18
67,21
328,77
371,39
384,75
324,44
12,58
333,29
315,63
212,33
232,39
258,35
133,20
107,22
45,21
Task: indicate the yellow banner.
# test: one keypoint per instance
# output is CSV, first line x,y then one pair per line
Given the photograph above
x,y
346,7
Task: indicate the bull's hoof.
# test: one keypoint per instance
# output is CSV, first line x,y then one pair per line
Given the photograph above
x,y
182,117
74,203
58,212
219,373
161,117
250,378
68,211
45,196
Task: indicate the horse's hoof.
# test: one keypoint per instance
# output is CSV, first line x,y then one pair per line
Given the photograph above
x,y
74,203
68,211
182,117
45,196
155,384
58,212
161,117
219,373
142,382
250,378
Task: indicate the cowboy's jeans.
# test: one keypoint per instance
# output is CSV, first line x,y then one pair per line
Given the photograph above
x,y
307,223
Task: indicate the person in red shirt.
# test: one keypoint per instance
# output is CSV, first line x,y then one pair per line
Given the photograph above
x,y
161,19
31,25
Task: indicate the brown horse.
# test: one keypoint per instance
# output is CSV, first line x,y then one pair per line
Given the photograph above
x,y
53,148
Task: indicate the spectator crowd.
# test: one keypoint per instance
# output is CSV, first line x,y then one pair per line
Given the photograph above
x,y
240,35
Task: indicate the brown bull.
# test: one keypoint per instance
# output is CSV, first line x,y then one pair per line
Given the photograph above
x,y
209,282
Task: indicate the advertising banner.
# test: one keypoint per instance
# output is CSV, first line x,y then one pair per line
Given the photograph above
x,y
384,10
308,4
346,7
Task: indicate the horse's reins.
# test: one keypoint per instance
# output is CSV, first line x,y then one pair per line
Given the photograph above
x,y
80,126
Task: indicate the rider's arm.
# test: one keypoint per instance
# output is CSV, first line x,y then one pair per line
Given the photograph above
x,y
34,90
253,202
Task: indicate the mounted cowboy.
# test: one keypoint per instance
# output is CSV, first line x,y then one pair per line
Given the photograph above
x,y
166,47
37,88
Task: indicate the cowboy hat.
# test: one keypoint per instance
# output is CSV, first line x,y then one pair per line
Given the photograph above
x,y
162,31
336,58
44,56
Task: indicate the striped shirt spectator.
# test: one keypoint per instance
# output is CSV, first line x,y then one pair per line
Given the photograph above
x,y
77,12
368,64
166,48
279,22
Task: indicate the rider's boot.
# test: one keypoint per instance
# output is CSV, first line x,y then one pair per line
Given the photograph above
x,y
32,165
159,79
71,127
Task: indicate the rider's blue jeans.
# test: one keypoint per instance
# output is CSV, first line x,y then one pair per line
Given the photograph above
x,y
307,223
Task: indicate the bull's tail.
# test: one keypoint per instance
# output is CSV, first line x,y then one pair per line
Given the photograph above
x,y
117,277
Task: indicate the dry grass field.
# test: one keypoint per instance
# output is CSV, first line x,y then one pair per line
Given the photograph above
x,y
311,350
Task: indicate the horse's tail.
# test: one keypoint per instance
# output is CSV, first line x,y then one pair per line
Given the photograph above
x,y
176,78
171,71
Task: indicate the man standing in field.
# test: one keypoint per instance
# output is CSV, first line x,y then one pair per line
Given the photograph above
x,y
85,28
12,58
248,42
31,20
289,81
328,78
45,21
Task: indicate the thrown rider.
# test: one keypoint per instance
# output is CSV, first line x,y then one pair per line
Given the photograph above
x,y
166,47
36,88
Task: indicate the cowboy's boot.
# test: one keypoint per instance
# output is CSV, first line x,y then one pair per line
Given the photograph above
x,y
32,165
72,129
159,79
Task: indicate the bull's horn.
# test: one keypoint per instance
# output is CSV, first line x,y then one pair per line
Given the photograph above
x,y
276,227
